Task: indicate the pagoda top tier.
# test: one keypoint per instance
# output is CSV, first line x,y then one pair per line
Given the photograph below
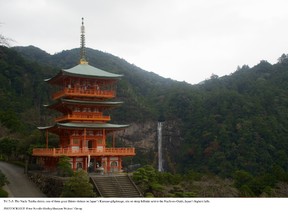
x,y
83,71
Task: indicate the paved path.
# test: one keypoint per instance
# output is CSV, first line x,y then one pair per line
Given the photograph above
x,y
20,185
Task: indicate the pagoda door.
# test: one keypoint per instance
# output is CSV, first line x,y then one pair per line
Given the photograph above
x,y
114,166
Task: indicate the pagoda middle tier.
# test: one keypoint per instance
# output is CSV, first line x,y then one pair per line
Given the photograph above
x,y
83,110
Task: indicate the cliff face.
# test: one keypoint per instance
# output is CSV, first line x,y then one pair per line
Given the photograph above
x,y
140,135
144,137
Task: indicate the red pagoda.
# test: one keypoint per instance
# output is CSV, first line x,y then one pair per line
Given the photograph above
x,y
83,94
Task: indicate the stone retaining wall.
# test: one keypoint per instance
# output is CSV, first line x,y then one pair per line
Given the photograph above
x,y
50,185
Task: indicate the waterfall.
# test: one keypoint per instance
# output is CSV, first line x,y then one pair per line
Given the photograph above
x,y
160,160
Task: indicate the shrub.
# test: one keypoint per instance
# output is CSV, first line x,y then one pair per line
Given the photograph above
x,y
78,186
3,193
3,179
64,167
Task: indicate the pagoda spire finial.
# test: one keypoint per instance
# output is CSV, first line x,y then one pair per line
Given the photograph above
x,y
82,47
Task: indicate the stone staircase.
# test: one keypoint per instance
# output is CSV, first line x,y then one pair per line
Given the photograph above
x,y
115,186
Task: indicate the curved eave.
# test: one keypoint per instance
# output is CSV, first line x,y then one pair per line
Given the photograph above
x,y
84,71
45,128
70,125
108,104
92,125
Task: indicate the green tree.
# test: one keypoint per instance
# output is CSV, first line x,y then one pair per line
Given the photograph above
x,y
283,58
3,193
3,179
64,168
8,147
241,178
4,41
78,186
147,179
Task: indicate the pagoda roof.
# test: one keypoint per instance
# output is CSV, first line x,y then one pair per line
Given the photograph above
x,y
85,71
85,102
81,125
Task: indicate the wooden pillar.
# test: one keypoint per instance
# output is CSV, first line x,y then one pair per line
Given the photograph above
x,y
46,163
108,164
84,141
104,137
95,164
113,139
74,163
119,164
46,139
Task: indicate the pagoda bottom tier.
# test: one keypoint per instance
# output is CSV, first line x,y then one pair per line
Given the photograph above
x,y
57,152
108,160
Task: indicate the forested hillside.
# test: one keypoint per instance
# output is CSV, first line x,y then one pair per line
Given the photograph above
x,y
234,126
241,123
22,95
139,89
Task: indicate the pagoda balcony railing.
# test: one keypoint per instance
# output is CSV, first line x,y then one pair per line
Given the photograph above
x,y
57,152
83,117
72,92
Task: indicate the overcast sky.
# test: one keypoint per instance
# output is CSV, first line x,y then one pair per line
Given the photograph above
x,y
186,40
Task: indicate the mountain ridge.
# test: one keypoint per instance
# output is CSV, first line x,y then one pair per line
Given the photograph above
x,y
94,57
225,125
